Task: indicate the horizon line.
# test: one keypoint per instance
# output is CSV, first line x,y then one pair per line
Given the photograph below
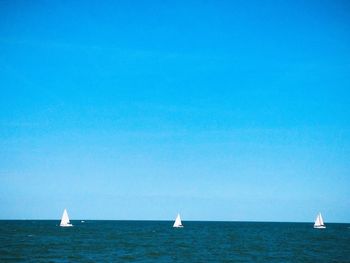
x,y
171,220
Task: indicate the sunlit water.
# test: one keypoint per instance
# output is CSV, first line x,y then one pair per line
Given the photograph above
x,y
157,241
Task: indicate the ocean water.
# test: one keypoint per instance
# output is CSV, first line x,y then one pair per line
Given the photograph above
x,y
157,241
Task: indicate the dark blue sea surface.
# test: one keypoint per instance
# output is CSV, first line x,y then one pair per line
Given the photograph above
x,y
158,241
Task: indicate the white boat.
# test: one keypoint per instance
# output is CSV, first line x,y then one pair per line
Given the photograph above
x,y
319,222
65,219
178,222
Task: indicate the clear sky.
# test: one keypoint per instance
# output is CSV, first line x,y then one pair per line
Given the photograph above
x,y
219,110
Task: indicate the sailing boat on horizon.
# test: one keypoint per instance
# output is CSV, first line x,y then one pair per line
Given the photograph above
x,y
65,219
319,222
178,222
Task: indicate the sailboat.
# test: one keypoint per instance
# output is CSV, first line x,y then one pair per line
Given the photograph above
x,y
65,219
177,222
319,222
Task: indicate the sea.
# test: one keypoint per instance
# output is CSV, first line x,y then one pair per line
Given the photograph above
x,y
158,241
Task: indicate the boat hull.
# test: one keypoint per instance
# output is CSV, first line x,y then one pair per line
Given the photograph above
x,y
320,227
66,225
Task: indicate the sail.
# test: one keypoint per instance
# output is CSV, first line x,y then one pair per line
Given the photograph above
x,y
319,221
65,219
177,222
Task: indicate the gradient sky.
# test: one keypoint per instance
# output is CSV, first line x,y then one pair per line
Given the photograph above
x,y
219,110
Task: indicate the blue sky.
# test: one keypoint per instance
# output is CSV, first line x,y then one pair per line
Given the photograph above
x,y
219,110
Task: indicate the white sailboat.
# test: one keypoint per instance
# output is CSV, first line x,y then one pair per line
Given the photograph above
x,y
319,222
178,222
65,219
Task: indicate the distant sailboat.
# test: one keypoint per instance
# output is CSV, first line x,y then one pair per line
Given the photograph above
x,y
65,219
319,222
177,222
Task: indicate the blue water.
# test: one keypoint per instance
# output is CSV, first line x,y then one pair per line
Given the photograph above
x,y
157,241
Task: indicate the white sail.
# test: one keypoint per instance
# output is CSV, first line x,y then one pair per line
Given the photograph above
x,y
177,222
319,222
65,219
